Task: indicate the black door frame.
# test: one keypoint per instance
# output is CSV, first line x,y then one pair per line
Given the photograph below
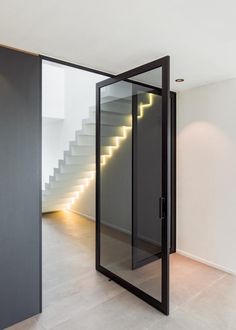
x,y
167,187
119,280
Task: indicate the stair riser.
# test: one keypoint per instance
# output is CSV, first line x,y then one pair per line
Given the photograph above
x,y
91,141
73,159
105,130
71,177
76,150
85,166
85,140
109,118
76,160
117,107
70,170
68,186
78,167
123,107
63,191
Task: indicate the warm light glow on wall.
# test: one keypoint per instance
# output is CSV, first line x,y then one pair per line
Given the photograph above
x,y
111,149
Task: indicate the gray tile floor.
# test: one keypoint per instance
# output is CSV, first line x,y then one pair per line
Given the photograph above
x,y
75,296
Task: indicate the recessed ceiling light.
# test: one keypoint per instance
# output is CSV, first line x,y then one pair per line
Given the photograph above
x,y
179,80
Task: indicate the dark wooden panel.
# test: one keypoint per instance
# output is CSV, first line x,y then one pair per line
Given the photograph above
x,y
20,176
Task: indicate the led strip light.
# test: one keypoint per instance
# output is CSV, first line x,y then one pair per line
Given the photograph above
x,y
111,150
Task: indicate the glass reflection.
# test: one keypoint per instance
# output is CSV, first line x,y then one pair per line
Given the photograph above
x,y
131,239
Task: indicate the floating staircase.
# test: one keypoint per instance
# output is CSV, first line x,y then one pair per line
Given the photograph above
x,y
77,168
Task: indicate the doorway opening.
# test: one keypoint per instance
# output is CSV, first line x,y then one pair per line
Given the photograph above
x,y
68,183
68,174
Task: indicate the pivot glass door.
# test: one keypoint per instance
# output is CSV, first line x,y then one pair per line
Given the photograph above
x,y
132,195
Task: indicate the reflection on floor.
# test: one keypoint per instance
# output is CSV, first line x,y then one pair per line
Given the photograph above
x,y
116,256
76,297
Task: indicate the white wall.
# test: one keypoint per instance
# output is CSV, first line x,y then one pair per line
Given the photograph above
x,y
52,146
53,90
206,174
53,113
67,94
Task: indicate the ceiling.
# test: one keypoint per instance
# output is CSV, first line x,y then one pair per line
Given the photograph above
x,y
117,35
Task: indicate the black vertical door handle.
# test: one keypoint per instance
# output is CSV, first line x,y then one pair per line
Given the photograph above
x,y
162,205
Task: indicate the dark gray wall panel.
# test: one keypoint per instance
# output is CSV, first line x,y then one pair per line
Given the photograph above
x,y
20,176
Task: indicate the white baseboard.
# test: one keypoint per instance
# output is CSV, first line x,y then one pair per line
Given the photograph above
x,y
206,262
181,252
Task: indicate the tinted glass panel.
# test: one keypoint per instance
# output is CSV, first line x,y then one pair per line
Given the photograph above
x,y
131,180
